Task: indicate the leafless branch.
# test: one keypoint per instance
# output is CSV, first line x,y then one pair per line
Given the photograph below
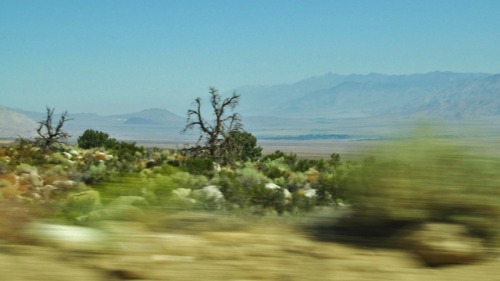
x,y
215,132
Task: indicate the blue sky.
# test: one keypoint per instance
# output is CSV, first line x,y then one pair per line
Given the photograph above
x,y
121,56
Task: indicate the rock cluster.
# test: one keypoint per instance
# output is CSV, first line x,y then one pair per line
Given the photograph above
x,y
438,244
208,195
26,183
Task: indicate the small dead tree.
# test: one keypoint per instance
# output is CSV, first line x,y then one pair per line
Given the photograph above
x,y
214,132
50,134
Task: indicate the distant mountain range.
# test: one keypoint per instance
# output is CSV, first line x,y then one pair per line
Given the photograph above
x,y
150,124
442,94
327,105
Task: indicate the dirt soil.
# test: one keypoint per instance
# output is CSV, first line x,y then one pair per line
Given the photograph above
x,y
205,249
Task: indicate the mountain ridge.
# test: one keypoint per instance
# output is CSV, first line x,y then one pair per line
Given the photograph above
x,y
361,95
14,124
315,105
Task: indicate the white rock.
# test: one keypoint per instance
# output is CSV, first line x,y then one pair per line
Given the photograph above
x,y
288,194
181,192
36,196
67,155
217,167
310,193
272,186
68,237
33,179
47,190
64,184
210,192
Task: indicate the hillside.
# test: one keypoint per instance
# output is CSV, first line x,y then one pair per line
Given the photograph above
x,y
14,124
149,124
337,96
473,98
154,116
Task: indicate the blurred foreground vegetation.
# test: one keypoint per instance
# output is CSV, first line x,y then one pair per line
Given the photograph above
x,y
399,184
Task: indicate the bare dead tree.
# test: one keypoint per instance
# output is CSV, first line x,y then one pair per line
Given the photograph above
x,y
213,134
50,134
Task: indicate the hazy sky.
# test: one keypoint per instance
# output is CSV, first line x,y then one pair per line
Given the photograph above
x,y
122,56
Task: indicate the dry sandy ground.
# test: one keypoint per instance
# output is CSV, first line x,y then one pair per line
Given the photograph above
x,y
203,250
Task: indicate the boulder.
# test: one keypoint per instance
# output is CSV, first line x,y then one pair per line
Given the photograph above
x,y
47,191
209,193
286,194
74,238
65,184
181,196
102,156
310,193
440,244
67,155
30,180
272,186
180,193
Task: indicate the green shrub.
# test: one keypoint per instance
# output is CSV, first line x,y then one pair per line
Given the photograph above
x,y
331,184
334,160
294,182
275,155
95,173
25,151
329,188
165,169
426,180
121,185
92,138
199,165
274,168
301,204
241,146
79,204
249,177
187,180
303,165
161,186
232,188
267,198
125,151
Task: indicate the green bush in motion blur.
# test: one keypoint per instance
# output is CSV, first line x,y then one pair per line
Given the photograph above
x,y
425,180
